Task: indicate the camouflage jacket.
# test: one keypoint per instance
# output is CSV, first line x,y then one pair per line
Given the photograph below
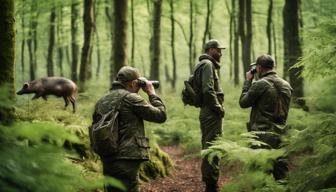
x,y
133,144
262,97
211,92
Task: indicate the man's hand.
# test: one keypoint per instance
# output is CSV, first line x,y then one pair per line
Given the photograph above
x,y
249,76
149,88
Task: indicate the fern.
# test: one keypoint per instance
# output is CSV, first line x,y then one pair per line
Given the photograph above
x,y
32,159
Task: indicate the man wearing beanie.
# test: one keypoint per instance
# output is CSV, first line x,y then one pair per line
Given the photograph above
x,y
133,146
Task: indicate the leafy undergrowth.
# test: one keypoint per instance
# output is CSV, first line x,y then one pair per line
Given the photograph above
x,y
55,140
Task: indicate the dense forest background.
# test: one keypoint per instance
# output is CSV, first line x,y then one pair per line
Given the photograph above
x,y
45,147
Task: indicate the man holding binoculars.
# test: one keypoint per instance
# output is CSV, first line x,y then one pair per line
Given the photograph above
x,y
133,146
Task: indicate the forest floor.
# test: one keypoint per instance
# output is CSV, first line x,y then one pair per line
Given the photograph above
x,y
186,176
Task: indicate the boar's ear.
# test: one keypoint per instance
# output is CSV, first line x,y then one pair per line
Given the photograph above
x,y
25,86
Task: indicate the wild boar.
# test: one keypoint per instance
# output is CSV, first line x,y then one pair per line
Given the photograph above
x,y
58,86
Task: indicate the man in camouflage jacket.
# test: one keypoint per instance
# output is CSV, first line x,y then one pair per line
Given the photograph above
x,y
133,145
212,110
264,96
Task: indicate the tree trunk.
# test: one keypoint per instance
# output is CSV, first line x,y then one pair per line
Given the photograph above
x,y
171,3
292,49
133,33
74,40
59,40
23,44
249,33
269,26
97,41
245,22
32,41
155,41
231,13
7,57
191,35
207,21
235,45
120,35
87,47
50,64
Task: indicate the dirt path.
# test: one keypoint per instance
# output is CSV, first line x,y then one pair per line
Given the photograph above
x,y
185,178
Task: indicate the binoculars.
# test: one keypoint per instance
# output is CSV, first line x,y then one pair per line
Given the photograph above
x,y
142,83
253,68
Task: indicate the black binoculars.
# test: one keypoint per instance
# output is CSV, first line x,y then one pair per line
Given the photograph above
x,y
142,83
253,69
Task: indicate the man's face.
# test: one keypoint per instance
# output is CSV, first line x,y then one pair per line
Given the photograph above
x,y
133,86
215,53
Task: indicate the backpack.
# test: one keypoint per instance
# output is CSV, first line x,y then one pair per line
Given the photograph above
x,y
283,99
191,92
104,134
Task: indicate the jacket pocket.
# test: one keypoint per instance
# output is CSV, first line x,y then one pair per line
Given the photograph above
x,y
142,142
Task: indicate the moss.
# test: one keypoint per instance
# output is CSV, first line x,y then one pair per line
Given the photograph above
x,y
159,165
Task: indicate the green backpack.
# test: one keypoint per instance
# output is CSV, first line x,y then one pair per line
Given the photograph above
x,y
104,134
191,92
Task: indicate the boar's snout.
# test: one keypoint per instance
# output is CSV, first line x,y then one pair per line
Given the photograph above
x,y
19,92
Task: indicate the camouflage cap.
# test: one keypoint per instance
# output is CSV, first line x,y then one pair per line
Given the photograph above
x,y
127,73
213,43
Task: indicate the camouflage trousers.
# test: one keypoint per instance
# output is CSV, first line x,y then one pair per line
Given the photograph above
x,y
211,127
125,171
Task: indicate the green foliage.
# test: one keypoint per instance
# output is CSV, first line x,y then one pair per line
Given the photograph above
x,y
320,58
255,164
313,150
32,159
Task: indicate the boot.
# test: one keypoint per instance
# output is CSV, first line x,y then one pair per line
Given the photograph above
x,y
211,188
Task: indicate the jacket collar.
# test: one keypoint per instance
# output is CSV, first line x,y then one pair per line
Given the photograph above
x,y
214,62
267,73
117,85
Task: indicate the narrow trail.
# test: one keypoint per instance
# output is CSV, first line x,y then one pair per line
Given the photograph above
x,y
185,178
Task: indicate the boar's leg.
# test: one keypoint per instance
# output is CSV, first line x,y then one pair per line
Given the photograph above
x,y
66,101
36,96
45,97
73,102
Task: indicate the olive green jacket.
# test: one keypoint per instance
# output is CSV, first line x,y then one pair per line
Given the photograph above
x,y
212,95
262,97
133,111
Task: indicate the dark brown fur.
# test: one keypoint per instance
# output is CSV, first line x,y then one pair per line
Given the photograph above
x,y
58,86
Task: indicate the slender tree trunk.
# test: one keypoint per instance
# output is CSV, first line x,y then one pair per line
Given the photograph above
x,y
23,44
120,35
245,22
274,42
249,33
207,21
269,26
32,41
292,49
88,38
231,13
155,41
97,7
133,33
191,35
7,56
74,40
50,64
59,40
171,3
235,45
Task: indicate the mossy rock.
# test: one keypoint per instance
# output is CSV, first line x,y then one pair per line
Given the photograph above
x,y
159,165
